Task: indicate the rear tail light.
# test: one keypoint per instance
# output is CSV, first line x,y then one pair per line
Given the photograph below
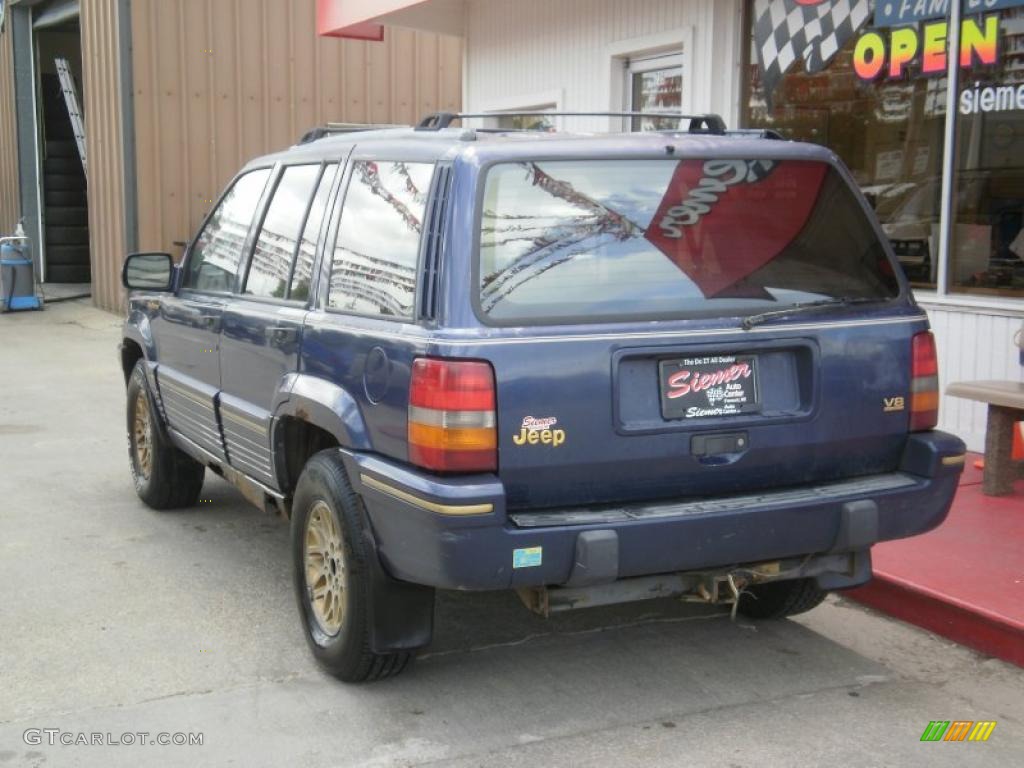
x,y
451,416
924,383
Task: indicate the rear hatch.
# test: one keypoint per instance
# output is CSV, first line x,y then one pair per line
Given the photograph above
x,y
668,328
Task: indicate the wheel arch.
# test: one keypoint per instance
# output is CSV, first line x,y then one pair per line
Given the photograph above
x,y
136,342
131,353
311,414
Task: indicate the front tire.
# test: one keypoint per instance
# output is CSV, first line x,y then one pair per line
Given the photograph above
x,y
164,476
779,599
332,572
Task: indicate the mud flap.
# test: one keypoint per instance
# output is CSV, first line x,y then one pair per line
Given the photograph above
x,y
401,614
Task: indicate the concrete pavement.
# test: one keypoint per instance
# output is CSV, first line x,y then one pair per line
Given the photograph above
x,y
116,619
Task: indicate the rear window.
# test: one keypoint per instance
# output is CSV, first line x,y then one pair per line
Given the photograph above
x,y
593,240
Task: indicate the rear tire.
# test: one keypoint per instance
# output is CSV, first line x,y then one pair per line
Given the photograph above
x,y
66,197
67,216
61,149
68,273
62,182
61,235
71,166
67,255
331,554
165,477
779,599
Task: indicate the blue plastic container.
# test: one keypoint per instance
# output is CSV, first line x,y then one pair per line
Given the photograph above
x,y
17,277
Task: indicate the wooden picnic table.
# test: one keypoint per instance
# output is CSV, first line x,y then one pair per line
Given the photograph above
x,y
1005,401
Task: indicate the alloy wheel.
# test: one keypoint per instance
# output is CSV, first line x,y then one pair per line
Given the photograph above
x,y
326,579
142,432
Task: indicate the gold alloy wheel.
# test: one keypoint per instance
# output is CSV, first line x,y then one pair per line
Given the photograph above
x,y
325,569
142,430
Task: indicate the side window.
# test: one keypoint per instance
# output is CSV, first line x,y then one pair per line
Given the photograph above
x,y
373,271
303,275
272,257
216,255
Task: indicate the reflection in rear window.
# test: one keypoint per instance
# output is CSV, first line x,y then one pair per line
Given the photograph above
x,y
592,240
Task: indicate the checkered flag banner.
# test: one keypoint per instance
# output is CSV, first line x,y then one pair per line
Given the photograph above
x,y
814,30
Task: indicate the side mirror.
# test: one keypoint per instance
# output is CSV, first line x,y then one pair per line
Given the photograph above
x,y
148,272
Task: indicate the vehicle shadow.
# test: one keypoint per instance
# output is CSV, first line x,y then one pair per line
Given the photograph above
x,y
467,621
662,645
514,678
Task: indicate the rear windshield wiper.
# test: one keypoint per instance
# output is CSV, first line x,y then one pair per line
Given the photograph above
x,y
842,301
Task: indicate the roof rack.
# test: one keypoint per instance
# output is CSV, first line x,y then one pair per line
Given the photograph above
x,y
702,123
758,133
334,128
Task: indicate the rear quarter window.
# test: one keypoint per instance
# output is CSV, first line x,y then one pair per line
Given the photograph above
x,y
373,269
634,239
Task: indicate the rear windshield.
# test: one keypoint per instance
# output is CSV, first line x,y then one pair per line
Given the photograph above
x,y
593,240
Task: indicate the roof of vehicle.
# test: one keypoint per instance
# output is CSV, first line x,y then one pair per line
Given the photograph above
x,y
486,146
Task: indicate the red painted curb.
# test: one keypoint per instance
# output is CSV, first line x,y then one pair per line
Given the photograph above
x,y
983,632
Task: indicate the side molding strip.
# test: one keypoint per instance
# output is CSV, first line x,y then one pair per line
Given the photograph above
x,y
430,506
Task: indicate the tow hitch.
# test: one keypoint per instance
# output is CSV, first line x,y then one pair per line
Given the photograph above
x,y
708,588
718,587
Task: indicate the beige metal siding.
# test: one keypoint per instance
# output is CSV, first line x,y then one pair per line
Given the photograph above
x,y
218,82
103,148
9,204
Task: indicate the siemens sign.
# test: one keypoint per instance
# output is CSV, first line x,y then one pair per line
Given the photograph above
x,y
991,98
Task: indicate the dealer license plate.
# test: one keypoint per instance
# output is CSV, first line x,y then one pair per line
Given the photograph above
x,y
708,387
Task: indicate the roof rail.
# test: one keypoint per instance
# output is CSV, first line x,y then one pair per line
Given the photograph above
x,y
702,123
334,128
758,133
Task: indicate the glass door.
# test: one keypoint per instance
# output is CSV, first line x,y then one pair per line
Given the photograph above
x,y
655,84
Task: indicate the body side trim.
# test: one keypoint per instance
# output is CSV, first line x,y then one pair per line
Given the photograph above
x,y
441,509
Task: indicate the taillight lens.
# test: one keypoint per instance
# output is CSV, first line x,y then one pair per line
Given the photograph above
x,y
924,383
451,416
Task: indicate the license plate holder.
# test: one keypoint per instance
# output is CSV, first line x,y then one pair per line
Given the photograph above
x,y
708,386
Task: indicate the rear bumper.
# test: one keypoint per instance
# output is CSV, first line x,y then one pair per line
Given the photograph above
x,y
455,533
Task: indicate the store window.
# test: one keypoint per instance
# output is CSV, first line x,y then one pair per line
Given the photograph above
x,y
655,84
868,80
987,247
888,131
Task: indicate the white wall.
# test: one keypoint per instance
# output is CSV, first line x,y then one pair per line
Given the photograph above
x,y
518,49
973,344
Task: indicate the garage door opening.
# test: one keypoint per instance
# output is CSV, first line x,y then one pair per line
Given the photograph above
x,y
64,209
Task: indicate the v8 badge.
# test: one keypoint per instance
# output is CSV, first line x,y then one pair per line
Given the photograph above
x,y
893,404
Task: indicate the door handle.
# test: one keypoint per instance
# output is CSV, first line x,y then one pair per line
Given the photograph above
x,y
211,322
281,334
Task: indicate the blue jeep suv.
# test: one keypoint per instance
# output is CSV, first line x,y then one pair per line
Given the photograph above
x,y
588,368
